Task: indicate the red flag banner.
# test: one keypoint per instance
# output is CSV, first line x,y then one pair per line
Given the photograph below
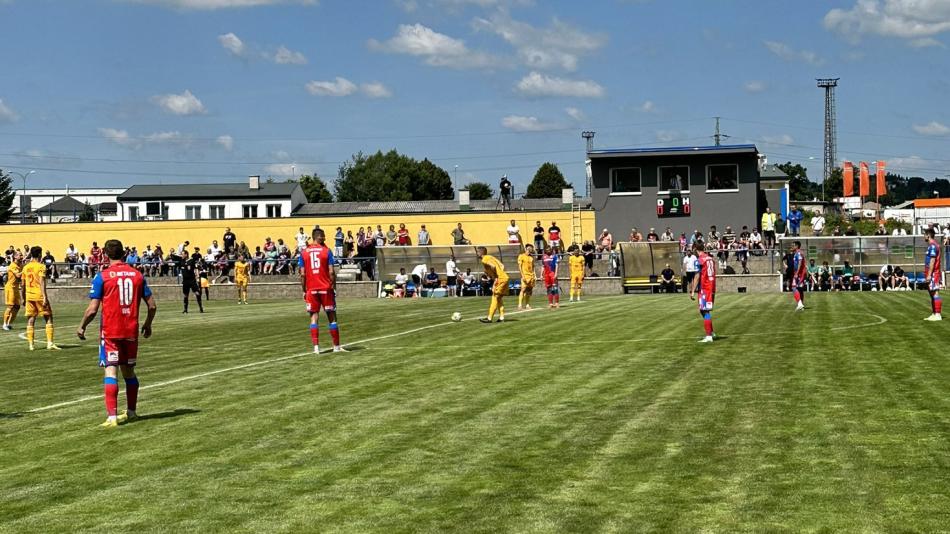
x,y
864,181
881,182
848,179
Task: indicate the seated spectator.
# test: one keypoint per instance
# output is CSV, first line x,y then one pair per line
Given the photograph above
x,y
432,280
51,271
900,279
755,242
722,253
713,236
485,283
729,236
635,235
885,279
270,260
514,233
402,280
468,281
812,281
880,230
668,235
257,261
846,281
652,236
458,236
281,247
668,280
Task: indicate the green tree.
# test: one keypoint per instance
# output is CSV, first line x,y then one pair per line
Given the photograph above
x,y
315,189
88,214
547,182
834,185
479,191
391,176
7,195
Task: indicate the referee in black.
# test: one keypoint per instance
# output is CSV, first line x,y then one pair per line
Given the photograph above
x,y
189,280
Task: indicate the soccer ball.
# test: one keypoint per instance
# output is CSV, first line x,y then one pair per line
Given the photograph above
x,y
456,317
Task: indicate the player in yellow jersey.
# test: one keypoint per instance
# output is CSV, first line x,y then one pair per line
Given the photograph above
x,y
12,290
576,262
495,270
242,277
528,277
37,301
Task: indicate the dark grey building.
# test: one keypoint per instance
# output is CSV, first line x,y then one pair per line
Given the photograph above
x,y
684,188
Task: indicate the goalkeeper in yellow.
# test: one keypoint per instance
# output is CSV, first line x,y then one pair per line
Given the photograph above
x,y
496,271
528,277
37,301
242,277
576,263
12,290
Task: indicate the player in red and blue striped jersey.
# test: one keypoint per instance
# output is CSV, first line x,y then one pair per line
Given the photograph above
x,y
318,280
933,273
799,275
705,281
119,289
550,261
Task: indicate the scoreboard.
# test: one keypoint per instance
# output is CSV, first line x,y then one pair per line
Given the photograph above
x,y
673,206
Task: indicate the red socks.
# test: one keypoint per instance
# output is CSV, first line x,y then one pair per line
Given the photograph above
x,y
111,387
132,392
315,334
335,334
707,324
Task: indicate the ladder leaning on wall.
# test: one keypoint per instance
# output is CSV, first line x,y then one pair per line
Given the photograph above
x,y
577,223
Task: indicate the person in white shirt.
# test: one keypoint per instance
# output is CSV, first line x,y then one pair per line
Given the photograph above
x,y
451,277
900,231
514,233
301,239
818,224
214,249
419,273
690,268
402,279
755,239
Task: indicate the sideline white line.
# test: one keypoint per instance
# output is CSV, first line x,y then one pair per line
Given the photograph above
x,y
257,363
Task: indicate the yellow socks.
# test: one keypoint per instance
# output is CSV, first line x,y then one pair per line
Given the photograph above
x,y
6,316
492,307
49,332
29,334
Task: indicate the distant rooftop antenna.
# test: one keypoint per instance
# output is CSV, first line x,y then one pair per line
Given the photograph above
x,y
717,137
589,138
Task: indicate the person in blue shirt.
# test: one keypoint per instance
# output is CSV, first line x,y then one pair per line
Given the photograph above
x,y
338,240
795,218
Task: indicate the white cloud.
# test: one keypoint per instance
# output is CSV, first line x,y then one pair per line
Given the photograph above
x,y
285,56
666,136
788,53
183,104
375,90
557,46
338,87
6,113
159,138
575,114
536,84
754,86
208,5
521,123
119,137
783,139
932,128
438,49
226,142
287,170
906,19
925,42
36,157
648,107
232,43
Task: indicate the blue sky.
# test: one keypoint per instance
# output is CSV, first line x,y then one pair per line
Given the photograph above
x,y
106,93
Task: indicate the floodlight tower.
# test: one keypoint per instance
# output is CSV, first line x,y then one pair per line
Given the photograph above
x,y
831,128
589,137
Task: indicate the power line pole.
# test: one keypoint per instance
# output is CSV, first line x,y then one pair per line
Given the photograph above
x,y
589,138
831,129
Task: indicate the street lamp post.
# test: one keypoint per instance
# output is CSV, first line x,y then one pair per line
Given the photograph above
x,y
22,195
455,181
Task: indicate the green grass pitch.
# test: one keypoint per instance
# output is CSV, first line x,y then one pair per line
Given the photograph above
x,y
605,416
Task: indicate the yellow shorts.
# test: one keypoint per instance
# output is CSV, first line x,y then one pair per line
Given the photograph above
x,y
35,308
240,282
500,289
528,283
577,280
12,297
204,283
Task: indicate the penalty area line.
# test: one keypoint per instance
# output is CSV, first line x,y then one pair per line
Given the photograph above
x,y
255,364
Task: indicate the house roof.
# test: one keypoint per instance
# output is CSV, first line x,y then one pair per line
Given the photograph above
x,y
428,206
932,203
65,205
107,208
674,150
207,191
772,172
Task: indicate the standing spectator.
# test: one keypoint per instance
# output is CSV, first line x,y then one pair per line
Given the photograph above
x,y
779,228
768,228
684,244
514,233
451,276
95,258
880,230
588,251
229,240
795,218
50,262
606,241
458,236
349,245
391,236
257,261
423,239
690,267
379,236
742,254
538,237
215,248
635,235
402,236
554,237
667,283
505,187
668,235
338,239
301,239
652,236
818,224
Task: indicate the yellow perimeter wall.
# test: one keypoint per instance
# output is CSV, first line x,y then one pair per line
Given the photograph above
x,y
480,227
